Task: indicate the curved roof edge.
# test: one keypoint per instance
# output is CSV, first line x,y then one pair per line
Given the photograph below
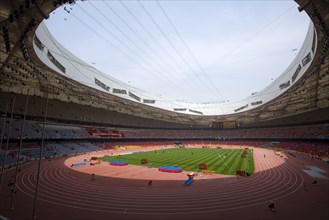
x,y
61,60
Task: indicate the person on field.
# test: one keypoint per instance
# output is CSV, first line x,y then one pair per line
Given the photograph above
x,y
271,206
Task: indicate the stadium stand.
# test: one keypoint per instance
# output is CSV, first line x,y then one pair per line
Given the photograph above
x,y
81,119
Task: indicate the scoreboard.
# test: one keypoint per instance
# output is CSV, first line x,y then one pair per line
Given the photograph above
x,y
223,124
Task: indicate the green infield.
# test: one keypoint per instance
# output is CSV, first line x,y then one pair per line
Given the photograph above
x,y
223,161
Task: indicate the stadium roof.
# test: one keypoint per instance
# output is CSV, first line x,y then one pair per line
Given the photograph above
x,y
193,51
33,62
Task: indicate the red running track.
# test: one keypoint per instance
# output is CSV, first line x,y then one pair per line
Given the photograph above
x,y
66,193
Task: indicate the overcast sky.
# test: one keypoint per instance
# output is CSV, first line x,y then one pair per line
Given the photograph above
x,y
197,51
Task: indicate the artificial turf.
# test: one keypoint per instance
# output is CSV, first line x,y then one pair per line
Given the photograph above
x,y
222,161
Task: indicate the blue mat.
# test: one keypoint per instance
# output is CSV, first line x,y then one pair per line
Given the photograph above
x,y
79,164
170,169
118,162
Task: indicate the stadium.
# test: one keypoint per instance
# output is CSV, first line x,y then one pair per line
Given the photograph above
x,y
79,144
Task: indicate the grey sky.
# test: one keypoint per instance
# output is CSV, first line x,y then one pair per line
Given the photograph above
x,y
198,51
